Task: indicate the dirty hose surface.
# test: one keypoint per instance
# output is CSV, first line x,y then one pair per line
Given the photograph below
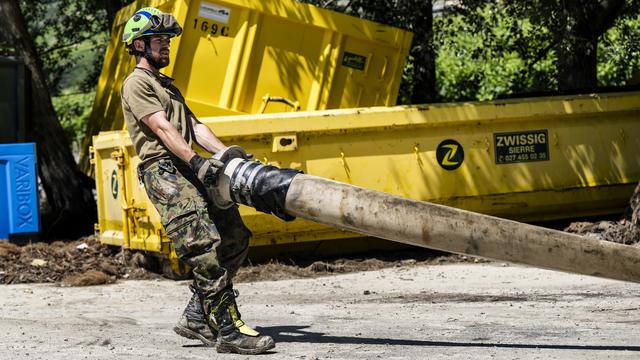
x,y
449,229
262,187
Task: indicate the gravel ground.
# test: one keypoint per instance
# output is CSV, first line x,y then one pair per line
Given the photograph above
x,y
458,311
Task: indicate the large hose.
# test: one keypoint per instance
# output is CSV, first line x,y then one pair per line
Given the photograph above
x,y
263,187
286,193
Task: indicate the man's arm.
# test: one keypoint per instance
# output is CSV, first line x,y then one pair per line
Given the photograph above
x,y
205,137
169,135
205,169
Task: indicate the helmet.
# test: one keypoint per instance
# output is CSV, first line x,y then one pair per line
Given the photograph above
x,y
150,21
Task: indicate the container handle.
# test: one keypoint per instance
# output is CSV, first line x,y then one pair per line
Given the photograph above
x,y
268,98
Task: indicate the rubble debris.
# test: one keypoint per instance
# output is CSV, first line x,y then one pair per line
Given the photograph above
x,y
88,278
615,231
75,263
38,263
625,231
86,262
276,270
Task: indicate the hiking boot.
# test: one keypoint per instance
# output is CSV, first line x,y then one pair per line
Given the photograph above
x,y
193,323
234,336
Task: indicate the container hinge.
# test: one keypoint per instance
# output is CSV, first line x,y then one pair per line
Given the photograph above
x,y
92,155
118,155
135,213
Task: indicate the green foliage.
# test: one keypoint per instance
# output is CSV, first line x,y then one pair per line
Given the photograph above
x,y
484,49
73,113
64,33
494,48
490,49
70,37
619,53
483,53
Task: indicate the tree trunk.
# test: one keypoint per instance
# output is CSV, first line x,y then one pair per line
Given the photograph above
x,y
112,7
69,192
577,63
424,57
577,50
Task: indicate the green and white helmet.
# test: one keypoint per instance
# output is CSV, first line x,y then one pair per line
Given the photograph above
x,y
150,21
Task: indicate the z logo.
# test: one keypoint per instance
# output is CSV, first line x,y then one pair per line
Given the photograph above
x,y
450,154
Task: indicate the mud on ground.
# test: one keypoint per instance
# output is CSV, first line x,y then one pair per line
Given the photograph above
x,y
625,231
87,262
75,263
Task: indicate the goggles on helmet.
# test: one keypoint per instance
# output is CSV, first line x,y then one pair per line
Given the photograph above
x,y
150,21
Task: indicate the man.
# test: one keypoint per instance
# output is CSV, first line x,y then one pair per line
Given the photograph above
x,y
212,241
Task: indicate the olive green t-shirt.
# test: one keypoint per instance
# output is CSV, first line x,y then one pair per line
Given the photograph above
x,y
144,94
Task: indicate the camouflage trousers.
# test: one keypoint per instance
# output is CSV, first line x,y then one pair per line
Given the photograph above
x,y
212,241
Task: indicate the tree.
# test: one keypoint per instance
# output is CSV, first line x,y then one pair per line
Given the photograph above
x,y
488,48
423,53
572,27
483,52
618,49
585,22
69,194
112,7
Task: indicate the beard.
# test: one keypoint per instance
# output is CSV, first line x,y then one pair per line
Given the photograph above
x,y
161,60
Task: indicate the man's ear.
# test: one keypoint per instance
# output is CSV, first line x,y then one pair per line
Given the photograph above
x,y
138,44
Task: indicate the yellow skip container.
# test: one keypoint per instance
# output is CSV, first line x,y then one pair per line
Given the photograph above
x,y
236,57
529,159
247,57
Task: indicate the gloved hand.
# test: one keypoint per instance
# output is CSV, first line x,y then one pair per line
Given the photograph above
x,y
206,169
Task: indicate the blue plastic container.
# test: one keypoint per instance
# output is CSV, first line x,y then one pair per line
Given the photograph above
x,y
19,203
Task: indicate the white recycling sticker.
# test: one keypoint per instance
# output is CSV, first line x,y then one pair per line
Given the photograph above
x,y
214,12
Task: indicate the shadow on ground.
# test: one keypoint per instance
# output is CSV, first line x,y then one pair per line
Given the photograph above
x,y
298,334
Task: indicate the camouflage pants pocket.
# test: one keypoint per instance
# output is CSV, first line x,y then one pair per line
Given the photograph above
x,y
192,233
196,241
212,242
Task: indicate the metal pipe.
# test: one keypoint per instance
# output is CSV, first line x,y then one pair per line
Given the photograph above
x,y
288,194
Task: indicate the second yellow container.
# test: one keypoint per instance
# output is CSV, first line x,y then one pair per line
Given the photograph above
x,y
244,57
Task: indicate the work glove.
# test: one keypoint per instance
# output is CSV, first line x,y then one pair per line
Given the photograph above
x,y
206,169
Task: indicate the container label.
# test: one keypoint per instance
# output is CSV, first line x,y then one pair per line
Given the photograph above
x,y
450,154
24,193
214,12
521,146
354,61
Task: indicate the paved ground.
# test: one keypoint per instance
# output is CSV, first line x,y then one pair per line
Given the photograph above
x,y
462,311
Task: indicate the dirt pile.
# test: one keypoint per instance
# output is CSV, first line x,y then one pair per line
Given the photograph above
x,y
87,262
279,271
76,263
625,231
621,231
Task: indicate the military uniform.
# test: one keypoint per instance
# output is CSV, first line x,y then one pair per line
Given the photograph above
x,y
212,241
